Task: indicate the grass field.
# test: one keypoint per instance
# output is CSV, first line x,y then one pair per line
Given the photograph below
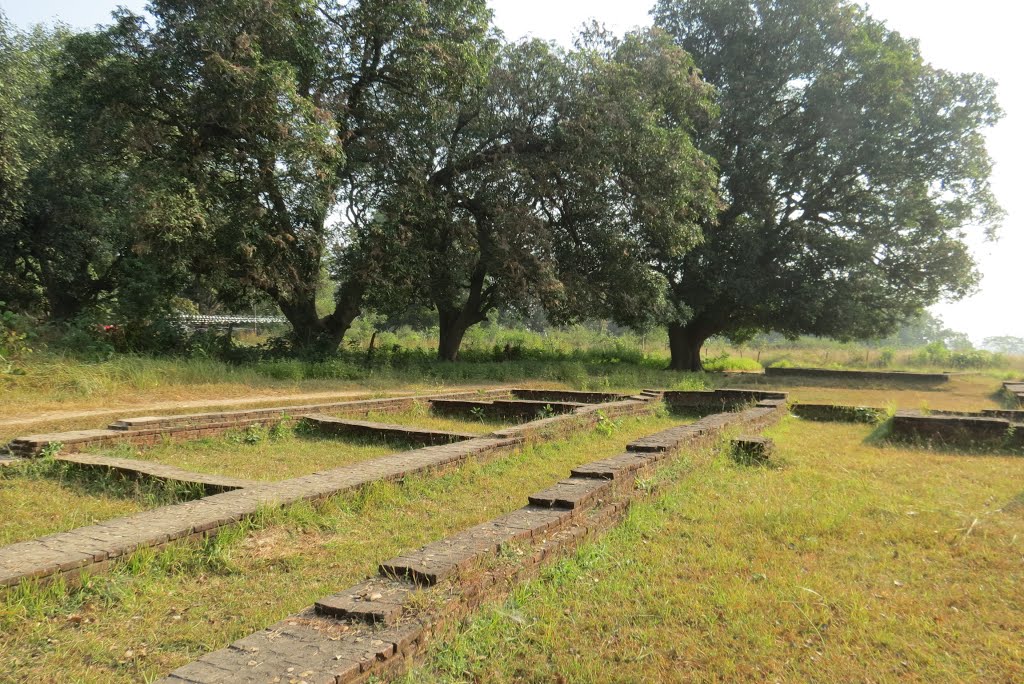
x,y
163,609
255,454
848,560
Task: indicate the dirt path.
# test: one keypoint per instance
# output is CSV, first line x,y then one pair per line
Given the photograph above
x,y
239,402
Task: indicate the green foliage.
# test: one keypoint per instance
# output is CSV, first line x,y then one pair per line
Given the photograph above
x,y
937,355
850,169
556,177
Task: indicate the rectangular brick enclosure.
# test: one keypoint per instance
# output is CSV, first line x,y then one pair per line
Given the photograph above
x,y
94,547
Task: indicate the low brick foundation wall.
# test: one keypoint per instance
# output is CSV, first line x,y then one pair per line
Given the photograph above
x,y
147,431
876,377
567,395
717,400
965,431
1015,390
838,414
95,547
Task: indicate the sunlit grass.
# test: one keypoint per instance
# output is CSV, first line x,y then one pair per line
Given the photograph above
x,y
260,454
845,561
972,392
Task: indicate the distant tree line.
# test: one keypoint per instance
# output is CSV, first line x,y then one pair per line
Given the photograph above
x,y
740,166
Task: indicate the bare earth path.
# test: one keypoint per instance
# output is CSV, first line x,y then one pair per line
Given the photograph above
x,y
176,406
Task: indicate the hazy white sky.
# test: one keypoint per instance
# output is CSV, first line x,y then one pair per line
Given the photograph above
x,y
978,36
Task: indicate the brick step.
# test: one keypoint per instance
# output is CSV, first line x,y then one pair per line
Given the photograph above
x,y
616,467
377,601
572,494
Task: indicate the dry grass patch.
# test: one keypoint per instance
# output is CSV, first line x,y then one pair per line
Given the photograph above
x,y
846,561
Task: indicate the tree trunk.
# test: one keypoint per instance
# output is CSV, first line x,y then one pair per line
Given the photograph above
x,y
454,322
453,326
311,333
685,342
64,306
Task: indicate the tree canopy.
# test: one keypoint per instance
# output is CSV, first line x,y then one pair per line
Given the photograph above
x,y
850,171
558,178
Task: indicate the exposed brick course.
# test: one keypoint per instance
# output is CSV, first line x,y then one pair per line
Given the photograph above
x,y
405,433
837,413
963,430
156,471
718,400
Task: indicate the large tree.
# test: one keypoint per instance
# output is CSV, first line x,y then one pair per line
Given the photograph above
x,y
850,169
555,179
270,112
